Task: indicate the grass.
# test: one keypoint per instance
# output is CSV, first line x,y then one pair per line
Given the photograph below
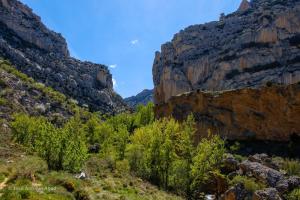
x,y
294,195
292,167
101,184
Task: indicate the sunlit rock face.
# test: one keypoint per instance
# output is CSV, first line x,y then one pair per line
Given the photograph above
x,y
43,55
258,43
270,113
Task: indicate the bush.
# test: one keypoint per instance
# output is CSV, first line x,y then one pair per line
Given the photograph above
x,y
29,167
292,167
3,102
294,195
250,184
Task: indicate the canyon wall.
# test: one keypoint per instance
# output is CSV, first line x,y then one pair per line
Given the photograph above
x,y
270,113
43,55
258,43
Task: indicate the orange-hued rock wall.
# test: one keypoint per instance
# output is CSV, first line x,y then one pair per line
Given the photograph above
x,y
268,113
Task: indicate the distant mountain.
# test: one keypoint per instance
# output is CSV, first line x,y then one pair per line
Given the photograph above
x,y
143,98
43,55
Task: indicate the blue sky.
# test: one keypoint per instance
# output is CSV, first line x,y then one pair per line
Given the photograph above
x,y
124,34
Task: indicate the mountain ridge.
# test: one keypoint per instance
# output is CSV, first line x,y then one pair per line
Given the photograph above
x,y
43,55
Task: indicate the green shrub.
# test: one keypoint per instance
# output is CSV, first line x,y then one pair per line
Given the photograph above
x,y
250,184
294,195
122,166
3,102
29,167
292,167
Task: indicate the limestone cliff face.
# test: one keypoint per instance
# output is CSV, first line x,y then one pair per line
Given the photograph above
x,y
43,55
259,43
269,113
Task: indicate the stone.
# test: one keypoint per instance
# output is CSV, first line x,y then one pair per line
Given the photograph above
x,y
255,45
266,194
245,5
263,173
43,55
264,159
230,164
288,184
238,192
266,114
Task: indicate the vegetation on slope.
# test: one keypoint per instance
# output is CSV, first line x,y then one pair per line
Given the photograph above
x,y
121,155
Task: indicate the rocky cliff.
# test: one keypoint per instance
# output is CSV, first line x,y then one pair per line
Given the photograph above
x,y
43,55
258,43
269,113
143,98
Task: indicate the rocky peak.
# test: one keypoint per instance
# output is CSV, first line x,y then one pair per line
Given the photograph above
x,y
245,5
244,49
43,54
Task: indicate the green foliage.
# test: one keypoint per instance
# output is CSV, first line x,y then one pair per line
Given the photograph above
x,y
73,145
292,167
250,184
294,195
3,102
144,115
209,155
62,148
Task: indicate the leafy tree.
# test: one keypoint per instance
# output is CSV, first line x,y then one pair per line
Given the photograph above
x,y
74,150
208,158
144,115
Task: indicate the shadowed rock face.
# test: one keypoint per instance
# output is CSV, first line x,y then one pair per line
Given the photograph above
x,y
269,113
259,43
43,55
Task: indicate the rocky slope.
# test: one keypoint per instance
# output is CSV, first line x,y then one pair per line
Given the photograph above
x,y
43,55
269,113
21,94
257,44
143,98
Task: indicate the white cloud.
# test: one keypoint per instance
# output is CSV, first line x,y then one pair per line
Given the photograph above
x,y
114,83
134,42
113,66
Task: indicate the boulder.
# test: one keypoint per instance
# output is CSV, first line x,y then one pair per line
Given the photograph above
x,y
263,173
267,194
288,184
230,164
237,192
264,159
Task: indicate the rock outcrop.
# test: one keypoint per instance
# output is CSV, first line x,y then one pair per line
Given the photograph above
x,y
43,55
142,98
269,113
258,43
